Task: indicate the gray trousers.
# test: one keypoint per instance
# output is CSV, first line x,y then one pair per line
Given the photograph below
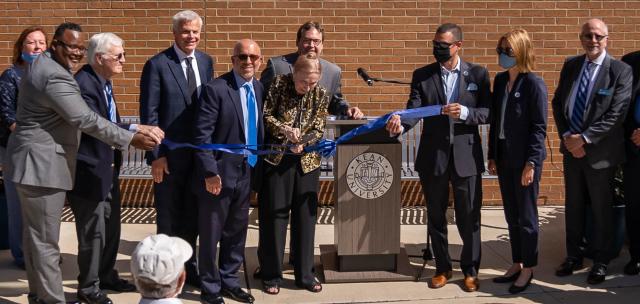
x,y
41,212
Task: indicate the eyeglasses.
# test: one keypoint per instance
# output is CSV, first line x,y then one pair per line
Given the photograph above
x,y
443,44
72,48
307,41
590,36
117,57
243,57
507,51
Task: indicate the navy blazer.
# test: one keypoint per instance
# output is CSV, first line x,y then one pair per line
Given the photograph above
x,y
164,98
440,132
630,124
606,109
525,120
219,120
97,161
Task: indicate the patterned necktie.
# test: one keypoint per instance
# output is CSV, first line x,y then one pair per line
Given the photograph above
x,y
191,80
111,105
252,132
575,124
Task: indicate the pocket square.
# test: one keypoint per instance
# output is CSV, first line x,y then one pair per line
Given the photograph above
x,y
472,87
605,92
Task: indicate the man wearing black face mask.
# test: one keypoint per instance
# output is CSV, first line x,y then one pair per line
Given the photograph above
x,y
450,149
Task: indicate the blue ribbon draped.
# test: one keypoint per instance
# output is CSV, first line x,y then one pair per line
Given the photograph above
x,y
326,147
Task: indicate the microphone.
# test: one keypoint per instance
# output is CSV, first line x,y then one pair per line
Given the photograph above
x,y
363,74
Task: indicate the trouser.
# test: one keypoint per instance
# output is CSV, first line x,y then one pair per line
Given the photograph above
x,y
467,197
586,187
14,215
98,231
632,210
521,213
223,219
41,212
287,189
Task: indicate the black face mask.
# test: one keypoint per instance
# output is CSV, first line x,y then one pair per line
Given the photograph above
x,y
441,53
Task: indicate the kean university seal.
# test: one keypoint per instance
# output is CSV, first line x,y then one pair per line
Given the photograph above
x,y
369,175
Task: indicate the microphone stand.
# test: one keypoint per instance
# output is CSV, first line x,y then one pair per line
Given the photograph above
x,y
427,254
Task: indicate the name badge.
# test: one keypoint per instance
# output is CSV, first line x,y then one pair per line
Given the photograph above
x,y
605,92
472,87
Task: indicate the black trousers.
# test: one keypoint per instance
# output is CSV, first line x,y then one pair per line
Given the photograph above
x,y
632,198
223,220
467,196
98,231
586,187
521,213
176,204
286,189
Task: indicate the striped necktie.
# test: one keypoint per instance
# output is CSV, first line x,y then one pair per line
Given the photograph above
x,y
111,105
577,117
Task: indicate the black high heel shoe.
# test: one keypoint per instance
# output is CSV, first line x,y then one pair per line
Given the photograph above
x,y
518,289
504,279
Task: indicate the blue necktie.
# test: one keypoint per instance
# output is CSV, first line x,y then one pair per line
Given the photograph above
x,y
252,132
575,125
111,105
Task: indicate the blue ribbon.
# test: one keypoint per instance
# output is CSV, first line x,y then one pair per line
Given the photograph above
x,y
636,114
325,147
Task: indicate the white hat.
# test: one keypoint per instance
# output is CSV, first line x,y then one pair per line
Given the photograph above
x,y
160,258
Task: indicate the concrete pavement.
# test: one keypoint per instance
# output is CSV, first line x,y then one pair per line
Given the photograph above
x,y
496,258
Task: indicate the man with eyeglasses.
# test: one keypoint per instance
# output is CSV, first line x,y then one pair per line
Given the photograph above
x,y
310,39
51,114
230,113
95,198
170,87
589,107
450,149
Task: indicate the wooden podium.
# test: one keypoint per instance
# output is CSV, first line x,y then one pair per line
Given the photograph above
x,y
367,210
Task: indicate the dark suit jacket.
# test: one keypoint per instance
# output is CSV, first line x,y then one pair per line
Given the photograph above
x,y
164,100
632,59
525,120
219,119
96,160
605,113
435,143
331,79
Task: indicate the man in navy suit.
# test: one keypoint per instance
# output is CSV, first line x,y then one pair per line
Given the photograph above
x,y
450,149
229,113
170,86
95,198
632,167
589,107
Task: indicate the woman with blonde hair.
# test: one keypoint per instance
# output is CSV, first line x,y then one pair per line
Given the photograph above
x,y
517,151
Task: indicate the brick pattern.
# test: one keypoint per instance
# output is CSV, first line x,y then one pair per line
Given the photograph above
x,y
388,38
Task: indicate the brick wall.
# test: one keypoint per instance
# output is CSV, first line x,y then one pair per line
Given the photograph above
x,y
388,38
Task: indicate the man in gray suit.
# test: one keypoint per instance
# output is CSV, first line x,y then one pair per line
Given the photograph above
x,y
589,108
51,114
309,39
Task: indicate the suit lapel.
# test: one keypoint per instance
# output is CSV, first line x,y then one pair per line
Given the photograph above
x,y
436,77
234,94
202,70
462,81
178,74
290,59
259,98
575,71
102,104
600,83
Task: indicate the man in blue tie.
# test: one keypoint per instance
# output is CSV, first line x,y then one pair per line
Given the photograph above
x,y
95,198
589,107
230,112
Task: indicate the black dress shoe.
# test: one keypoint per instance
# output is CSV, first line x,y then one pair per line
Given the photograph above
x,y
567,267
503,279
518,289
237,294
97,297
632,268
597,274
211,298
119,285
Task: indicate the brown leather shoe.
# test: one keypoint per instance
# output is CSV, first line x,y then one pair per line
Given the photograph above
x,y
470,284
440,279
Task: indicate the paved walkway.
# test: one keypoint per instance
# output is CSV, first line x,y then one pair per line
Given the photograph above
x,y
546,287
